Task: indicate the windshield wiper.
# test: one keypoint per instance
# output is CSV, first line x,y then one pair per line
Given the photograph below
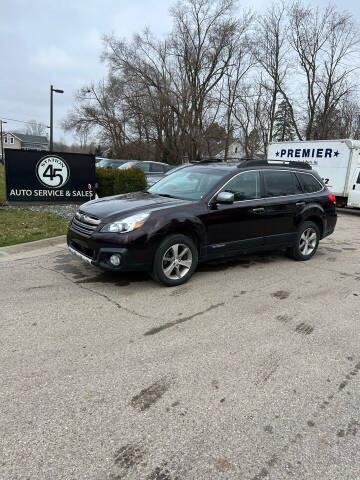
x,y
165,195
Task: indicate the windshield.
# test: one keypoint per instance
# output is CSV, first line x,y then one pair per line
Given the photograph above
x,y
187,183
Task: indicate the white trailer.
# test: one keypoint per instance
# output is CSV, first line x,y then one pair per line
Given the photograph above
x,y
336,161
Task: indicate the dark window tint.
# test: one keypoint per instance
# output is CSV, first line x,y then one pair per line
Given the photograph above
x,y
358,179
279,184
157,167
245,186
309,183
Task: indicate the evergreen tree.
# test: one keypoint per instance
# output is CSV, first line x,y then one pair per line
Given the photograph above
x,y
283,128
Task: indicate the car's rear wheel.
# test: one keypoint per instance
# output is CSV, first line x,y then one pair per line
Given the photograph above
x,y
175,260
307,242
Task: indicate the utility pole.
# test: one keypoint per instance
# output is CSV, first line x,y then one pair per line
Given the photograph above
x,y
52,89
2,142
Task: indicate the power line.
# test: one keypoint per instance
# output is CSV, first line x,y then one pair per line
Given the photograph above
x,y
30,122
22,121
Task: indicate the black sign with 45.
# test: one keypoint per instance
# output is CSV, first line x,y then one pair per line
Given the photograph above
x,y
38,176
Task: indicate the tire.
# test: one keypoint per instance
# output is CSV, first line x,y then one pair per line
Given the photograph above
x,y
306,244
175,260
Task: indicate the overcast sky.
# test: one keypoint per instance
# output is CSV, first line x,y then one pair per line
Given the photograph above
x,y
59,42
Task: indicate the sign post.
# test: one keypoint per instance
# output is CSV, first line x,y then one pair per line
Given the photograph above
x,y
50,177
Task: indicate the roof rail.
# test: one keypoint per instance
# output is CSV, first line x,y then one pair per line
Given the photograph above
x,y
209,160
247,162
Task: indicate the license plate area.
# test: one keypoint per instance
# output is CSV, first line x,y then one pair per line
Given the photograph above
x,y
82,248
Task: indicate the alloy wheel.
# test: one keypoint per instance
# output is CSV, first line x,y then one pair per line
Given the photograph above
x,y
308,241
177,261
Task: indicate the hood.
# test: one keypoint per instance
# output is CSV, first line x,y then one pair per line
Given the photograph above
x,y
127,204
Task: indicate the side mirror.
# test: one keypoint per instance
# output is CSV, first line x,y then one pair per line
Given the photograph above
x,y
225,197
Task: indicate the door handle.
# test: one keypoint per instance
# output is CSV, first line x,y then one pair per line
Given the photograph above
x,y
300,204
258,210
354,186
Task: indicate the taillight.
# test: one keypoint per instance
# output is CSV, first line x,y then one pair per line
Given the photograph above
x,y
332,197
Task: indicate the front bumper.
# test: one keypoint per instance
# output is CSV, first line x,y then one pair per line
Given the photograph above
x,y
97,249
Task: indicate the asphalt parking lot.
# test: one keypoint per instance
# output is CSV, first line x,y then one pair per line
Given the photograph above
x,y
250,371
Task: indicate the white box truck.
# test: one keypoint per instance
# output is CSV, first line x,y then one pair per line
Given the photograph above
x,y
336,161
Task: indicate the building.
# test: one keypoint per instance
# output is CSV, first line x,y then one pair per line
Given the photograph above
x,y
24,141
235,151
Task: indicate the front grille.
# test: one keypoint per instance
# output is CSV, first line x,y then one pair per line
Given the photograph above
x,y
84,224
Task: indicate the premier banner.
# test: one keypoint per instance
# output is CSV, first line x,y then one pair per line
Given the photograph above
x,y
40,176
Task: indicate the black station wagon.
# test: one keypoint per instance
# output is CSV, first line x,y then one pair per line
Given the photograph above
x,y
204,212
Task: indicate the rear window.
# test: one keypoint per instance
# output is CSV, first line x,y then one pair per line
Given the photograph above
x,y
280,184
309,183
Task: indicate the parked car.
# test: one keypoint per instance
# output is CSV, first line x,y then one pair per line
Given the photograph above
x,y
110,163
98,159
153,170
204,212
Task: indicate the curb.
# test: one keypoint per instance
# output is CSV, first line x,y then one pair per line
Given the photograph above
x,y
25,248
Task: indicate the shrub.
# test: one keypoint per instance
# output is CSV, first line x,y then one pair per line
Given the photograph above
x,y
113,181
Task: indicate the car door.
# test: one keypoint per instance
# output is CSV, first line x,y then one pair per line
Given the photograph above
x,y
238,226
354,194
284,198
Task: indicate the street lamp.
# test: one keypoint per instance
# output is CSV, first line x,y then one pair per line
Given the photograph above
x,y
2,141
52,89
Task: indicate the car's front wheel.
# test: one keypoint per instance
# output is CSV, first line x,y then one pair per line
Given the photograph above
x,y
175,260
307,242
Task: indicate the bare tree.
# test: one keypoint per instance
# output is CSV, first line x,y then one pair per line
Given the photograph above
x,y
251,111
35,128
98,107
242,63
272,53
335,81
221,75
323,41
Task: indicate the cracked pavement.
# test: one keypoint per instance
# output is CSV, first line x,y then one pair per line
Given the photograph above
x,y
250,371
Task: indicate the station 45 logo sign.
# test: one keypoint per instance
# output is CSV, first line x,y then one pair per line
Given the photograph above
x,y
52,171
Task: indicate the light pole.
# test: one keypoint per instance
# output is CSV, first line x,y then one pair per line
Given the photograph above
x,y
52,89
2,141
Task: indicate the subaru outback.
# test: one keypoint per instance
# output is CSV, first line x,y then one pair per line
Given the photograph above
x,y
204,212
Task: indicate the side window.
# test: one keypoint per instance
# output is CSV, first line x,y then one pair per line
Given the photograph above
x,y
280,184
145,166
157,167
245,186
358,178
309,183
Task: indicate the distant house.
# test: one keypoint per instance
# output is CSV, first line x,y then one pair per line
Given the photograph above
x,y
235,151
24,141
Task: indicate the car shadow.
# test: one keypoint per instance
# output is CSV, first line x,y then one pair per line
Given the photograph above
x,y
349,211
84,274
244,261
119,279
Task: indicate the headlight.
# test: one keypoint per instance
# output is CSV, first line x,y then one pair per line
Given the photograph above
x,y
127,225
